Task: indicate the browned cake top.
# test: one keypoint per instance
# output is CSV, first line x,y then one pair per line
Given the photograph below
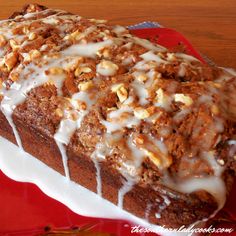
x,y
152,114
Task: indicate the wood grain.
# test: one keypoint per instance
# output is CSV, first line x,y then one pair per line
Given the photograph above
x,y
209,24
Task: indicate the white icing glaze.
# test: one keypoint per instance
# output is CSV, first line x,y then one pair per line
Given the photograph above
x,y
182,70
127,186
232,151
142,65
231,71
84,97
62,137
98,176
62,150
163,100
8,114
148,45
129,170
163,206
119,29
141,91
219,125
211,184
210,158
117,121
232,142
186,57
207,99
147,212
138,157
160,145
101,151
181,115
43,12
66,129
150,56
67,126
86,50
126,61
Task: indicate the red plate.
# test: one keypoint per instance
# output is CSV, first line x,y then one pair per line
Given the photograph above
x,y
25,210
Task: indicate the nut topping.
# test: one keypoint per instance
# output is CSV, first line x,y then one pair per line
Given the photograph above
x,y
154,158
116,87
122,94
179,97
14,45
140,76
107,68
81,70
32,36
55,71
11,60
3,41
141,113
83,86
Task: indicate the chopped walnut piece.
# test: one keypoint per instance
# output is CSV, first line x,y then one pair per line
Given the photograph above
x,y
154,158
34,54
83,86
179,97
98,21
140,76
11,60
14,76
76,35
105,52
55,71
215,109
221,162
25,29
122,94
141,113
116,87
171,57
2,62
81,70
14,45
107,68
59,112
162,99
32,36
3,41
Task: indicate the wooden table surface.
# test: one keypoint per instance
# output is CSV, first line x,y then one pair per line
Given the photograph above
x,y
209,24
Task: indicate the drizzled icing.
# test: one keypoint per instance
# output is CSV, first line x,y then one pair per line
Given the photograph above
x,y
212,184
86,50
99,155
163,206
62,137
68,126
129,170
150,56
132,109
117,122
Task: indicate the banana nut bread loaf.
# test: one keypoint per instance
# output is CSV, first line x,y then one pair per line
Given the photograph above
x,y
133,122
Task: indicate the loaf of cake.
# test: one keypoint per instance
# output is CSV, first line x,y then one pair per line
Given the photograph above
x,y
139,125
